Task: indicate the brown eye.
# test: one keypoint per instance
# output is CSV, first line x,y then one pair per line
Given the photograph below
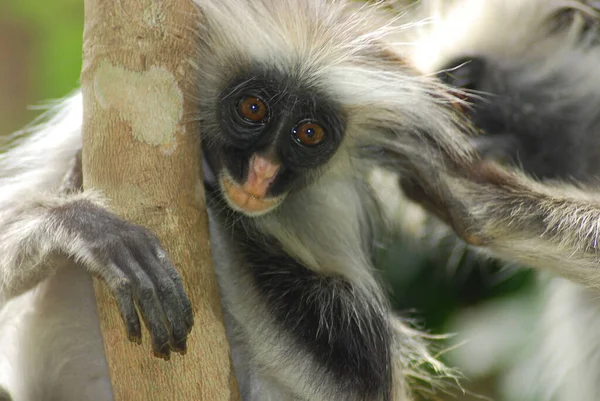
x,y
253,109
309,134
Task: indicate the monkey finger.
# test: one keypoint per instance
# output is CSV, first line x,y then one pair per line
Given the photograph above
x,y
124,296
186,306
172,301
148,303
121,288
154,320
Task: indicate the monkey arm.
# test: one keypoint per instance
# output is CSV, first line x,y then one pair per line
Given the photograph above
x,y
339,335
345,331
40,231
543,225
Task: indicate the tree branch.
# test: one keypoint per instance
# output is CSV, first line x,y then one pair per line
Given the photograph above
x,y
141,148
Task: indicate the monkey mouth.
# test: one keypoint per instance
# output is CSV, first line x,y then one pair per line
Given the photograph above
x,y
242,201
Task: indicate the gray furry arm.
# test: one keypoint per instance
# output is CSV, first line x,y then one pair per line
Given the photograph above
x,y
40,232
32,244
543,225
29,239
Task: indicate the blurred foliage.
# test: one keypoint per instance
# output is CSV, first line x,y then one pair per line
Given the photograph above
x,y
57,27
46,55
435,286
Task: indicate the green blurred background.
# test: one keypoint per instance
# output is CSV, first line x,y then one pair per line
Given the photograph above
x,y
40,55
40,60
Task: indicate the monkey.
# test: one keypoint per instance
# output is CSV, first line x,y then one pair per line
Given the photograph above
x,y
530,107
295,116
467,192
530,77
299,100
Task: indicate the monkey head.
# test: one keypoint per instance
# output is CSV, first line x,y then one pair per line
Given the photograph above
x,y
274,134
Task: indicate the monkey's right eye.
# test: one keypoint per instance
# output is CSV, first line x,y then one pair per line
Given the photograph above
x,y
253,110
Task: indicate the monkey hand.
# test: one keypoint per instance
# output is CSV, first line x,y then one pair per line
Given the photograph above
x,y
458,191
132,262
443,185
501,148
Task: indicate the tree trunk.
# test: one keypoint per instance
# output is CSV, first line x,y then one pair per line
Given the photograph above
x,y
141,148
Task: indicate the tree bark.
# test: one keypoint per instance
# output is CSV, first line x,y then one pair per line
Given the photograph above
x,y
141,149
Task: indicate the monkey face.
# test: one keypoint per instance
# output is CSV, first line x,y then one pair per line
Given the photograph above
x,y
275,135
525,119
494,106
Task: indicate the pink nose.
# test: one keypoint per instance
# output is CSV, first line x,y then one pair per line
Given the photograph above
x,y
261,173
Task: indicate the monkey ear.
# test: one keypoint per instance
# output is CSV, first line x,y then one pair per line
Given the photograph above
x,y
464,72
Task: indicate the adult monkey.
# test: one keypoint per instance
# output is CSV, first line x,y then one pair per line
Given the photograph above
x,y
534,90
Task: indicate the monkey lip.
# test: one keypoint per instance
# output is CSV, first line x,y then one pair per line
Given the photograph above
x,y
244,202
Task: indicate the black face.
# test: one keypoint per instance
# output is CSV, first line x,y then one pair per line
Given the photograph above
x,y
493,109
524,121
266,119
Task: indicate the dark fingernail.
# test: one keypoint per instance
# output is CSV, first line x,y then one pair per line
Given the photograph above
x,y
163,355
135,338
180,347
191,324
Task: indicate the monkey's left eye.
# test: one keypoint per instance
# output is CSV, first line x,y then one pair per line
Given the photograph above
x,y
308,133
253,110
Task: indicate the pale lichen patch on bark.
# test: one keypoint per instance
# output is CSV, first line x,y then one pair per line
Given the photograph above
x,y
151,101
